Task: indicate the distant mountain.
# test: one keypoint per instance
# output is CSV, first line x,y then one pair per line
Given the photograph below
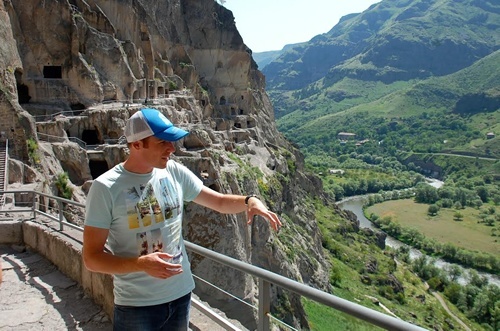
x,y
398,58
391,41
264,58
469,91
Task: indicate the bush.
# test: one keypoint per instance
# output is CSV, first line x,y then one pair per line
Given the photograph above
x,y
172,86
435,283
433,210
63,187
32,145
458,216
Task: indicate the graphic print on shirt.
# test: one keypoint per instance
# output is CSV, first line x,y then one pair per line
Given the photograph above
x,y
154,210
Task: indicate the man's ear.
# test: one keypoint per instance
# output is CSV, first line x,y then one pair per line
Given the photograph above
x,y
136,144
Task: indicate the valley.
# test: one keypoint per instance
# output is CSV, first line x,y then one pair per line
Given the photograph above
x,y
384,99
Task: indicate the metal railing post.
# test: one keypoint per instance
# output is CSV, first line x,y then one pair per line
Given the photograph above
x,y
33,207
61,216
264,305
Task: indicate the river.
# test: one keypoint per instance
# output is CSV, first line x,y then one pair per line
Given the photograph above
x,y
355,204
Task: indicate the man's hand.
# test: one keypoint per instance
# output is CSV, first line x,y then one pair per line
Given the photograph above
x,y
256,207
154,264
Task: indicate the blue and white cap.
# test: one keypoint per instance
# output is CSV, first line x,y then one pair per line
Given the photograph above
x,y
150,122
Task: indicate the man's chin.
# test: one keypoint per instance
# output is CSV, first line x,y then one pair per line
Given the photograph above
x,y
162,165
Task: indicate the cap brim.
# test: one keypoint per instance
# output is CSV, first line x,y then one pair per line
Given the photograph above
x,y
171,134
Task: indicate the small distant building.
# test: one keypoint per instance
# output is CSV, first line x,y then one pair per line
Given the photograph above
x,y
346,136
336,171
490,135
359,143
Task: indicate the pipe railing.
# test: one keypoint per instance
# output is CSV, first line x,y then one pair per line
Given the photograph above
x,y
266,278
50,138
5,174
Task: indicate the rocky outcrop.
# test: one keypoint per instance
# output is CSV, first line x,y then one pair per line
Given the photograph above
x,y
15,123
80,68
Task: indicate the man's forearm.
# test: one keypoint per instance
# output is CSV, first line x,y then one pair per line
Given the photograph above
x,y
108,263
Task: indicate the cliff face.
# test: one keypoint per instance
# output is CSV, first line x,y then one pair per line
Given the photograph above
x,y
80,68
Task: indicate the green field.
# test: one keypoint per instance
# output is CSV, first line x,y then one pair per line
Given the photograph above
x,y
468,234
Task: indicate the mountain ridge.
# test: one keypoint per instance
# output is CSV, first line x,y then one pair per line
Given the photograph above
x,y
392,41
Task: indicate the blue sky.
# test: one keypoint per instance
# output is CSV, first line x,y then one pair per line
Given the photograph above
x,y
268,25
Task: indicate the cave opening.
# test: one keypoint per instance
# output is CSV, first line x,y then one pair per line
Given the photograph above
x,y
23,92
97,168
53,72
90,137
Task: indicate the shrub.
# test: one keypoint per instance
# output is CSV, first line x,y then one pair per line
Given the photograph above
x,y
63,187
458,216
433,210
172,86
33,151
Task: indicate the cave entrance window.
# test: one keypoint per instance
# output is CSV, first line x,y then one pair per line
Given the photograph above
x,y
90,137
77,106
53,72
237,125
242,112
97,168
136,95
144,36
161,92
23,92
222,100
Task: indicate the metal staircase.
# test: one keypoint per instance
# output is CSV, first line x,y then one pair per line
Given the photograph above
x,y
3,171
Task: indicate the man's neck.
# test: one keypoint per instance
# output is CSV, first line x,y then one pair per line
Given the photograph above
x,y
136,167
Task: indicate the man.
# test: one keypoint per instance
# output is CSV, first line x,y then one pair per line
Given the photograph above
x,y
137,208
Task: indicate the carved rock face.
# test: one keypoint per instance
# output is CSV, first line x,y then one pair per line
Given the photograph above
x,y
98,61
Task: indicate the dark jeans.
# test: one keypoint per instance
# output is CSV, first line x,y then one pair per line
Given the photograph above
x,y
170,316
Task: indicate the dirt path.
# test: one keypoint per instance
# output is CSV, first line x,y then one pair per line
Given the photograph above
x,y
445,306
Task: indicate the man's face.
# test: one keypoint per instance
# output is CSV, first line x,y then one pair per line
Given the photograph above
x,y
156,152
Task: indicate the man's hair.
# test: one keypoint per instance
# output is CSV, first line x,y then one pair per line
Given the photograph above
x,y
145,142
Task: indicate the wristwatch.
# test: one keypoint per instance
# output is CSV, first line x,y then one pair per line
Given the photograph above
x,y
250,196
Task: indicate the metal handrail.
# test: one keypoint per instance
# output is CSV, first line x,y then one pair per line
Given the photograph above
x,y
51,138
6,165
50,117
5,174
266,278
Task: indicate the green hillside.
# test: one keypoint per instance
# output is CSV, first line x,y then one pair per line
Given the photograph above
x,y
440,113
412,76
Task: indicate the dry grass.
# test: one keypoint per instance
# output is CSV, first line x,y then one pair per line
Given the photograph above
x,y
468,234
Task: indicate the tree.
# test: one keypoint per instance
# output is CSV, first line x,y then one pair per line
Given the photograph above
x,y
490,221
453,292
454,271
426,194
458,216
482,191
433,210
496,199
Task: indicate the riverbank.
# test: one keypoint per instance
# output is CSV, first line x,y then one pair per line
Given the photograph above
x,y
356,204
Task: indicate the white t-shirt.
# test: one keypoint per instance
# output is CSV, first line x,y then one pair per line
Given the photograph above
x,y
143,213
